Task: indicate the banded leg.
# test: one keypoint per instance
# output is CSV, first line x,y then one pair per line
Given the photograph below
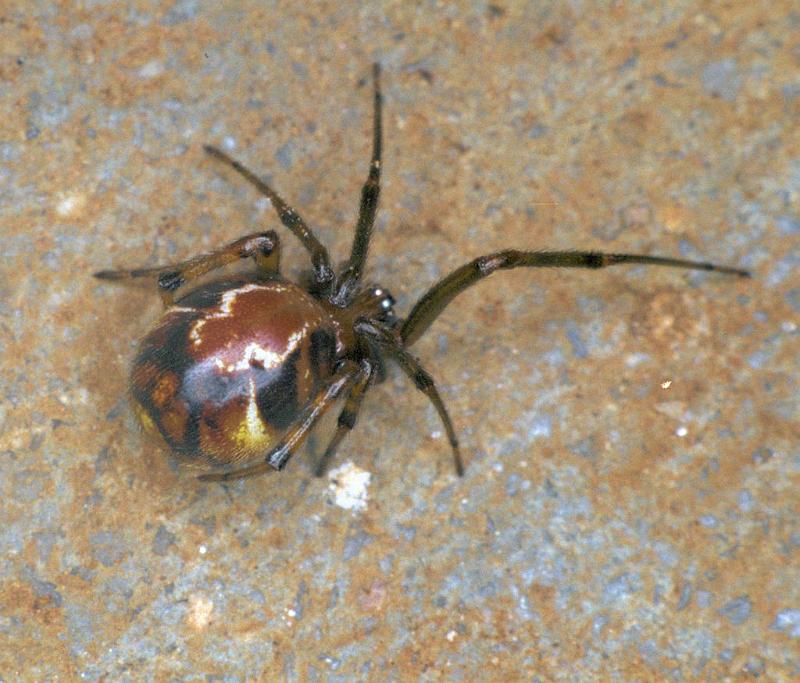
x,y
262,247
323,272
387,340
348,416
350,278
277,458
436,299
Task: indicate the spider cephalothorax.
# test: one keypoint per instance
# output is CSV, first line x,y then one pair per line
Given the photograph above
x,y
238,371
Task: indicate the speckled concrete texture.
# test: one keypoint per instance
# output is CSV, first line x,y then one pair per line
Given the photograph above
x,y
630,507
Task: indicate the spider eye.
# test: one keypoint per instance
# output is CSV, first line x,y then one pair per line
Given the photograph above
x,y
386,300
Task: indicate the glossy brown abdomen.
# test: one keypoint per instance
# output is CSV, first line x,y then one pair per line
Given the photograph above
x,y
229,367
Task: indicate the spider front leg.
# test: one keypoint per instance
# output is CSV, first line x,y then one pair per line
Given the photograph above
x,y
387,339
323,273
262,247
348,373
436,299
350,278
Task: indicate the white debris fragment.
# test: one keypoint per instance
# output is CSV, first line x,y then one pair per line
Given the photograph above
x,y
70,204
349,483
152,69
200,609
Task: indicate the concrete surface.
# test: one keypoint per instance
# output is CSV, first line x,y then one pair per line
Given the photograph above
x,y
630,508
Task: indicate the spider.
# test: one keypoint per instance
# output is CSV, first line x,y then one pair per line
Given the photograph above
x,y
238,371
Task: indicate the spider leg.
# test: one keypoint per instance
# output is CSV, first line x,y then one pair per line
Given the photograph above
x,y
243,473
351,276
436,299
289,217
388,340
262,247
276,459
348,416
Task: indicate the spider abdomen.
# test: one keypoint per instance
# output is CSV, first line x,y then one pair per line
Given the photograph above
x,y
229,367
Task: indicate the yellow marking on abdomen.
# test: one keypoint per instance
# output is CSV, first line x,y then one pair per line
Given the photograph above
x,y
253,435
